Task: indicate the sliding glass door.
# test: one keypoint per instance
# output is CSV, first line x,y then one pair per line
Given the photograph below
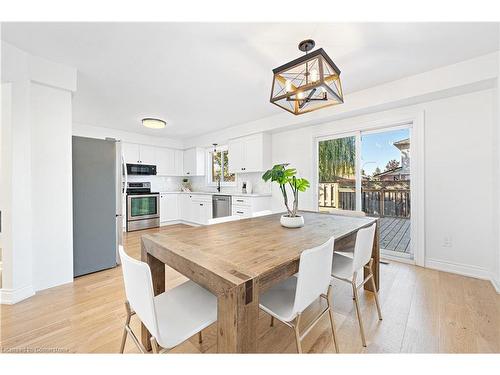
x,y
370,171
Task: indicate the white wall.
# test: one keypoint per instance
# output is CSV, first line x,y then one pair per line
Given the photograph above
x,y
37,175
16,188
459,190
51,181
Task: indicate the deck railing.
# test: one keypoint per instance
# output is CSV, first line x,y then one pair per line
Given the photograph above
x,y
382,202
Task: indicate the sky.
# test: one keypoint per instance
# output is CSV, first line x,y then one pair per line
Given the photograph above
x,y
377,149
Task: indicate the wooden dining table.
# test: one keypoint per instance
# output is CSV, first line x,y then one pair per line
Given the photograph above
x,y
238,260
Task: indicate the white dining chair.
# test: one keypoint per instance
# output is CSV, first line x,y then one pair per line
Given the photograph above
x,y
171,317
347,268
287,300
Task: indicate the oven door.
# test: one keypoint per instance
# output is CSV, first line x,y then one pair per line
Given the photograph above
x,y
144,206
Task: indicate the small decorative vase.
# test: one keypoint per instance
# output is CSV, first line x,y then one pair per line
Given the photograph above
x,y
292,222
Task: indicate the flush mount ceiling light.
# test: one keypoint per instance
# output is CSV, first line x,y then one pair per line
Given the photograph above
x,y
153,123
308,83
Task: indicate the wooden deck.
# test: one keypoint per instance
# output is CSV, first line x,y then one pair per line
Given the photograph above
x,y
395,234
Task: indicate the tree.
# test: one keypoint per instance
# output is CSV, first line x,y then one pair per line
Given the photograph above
x,y
376,171
392,164
336,159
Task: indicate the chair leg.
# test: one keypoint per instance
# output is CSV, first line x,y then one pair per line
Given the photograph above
x,y
375,292
332,322
358,311
272,321
297,334
154,346
200,338
125,331
124,339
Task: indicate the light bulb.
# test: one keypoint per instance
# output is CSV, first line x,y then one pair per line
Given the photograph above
x,y
300,95
288,85
314,75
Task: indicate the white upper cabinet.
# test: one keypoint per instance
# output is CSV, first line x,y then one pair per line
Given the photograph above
x,y
194,162
165,162
179,162
250,154
168,161
131,153
148,154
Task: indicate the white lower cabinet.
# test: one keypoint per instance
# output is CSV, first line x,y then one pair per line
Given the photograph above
x,y
169,207
195,208
243,211
245,206
201,209
185,207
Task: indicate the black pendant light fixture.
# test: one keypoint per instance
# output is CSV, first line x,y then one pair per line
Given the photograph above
x,y
307,83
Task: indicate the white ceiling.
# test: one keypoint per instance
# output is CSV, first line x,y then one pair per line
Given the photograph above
x,y
201,77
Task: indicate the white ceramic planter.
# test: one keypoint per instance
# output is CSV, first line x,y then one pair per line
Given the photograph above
x,y
292,222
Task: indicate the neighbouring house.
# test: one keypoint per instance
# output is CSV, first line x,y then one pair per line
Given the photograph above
x,y
401,173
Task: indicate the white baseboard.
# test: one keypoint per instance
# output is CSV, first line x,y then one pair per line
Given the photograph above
x,y
458,268
11,296
496,284
464,270
173,222
395,258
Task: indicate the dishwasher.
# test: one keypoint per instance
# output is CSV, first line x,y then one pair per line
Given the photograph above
x,y
221,206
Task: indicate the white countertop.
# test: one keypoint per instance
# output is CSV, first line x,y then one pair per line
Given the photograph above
x,y
233,194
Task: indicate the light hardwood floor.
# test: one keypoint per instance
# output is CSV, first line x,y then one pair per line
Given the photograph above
x,y
424,311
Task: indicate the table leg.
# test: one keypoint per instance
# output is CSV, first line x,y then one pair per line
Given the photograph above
x,y
376,260
237,316
158,275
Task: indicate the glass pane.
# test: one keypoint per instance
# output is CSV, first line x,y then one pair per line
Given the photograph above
x,y
337,174
216,166
228,177
385,187
143,206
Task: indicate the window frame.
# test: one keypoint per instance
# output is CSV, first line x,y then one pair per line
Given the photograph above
x,y
208,158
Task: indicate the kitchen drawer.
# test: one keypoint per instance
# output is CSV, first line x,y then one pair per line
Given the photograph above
x,y
244,211
242,201
201,198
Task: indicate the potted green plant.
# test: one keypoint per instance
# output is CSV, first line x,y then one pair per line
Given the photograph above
x,y
286,177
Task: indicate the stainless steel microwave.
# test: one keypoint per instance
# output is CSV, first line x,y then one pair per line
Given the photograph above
x,y
141,169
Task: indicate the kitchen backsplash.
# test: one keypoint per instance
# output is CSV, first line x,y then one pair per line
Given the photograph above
x,y
199,183
161,184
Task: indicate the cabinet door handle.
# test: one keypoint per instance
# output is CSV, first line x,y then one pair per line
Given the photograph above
x,y
187,172
201,204
239,200
239,212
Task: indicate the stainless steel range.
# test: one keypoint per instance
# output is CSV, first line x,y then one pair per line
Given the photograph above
x,y
143,206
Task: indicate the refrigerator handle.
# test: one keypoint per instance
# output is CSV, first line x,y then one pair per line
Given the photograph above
x,y
124,166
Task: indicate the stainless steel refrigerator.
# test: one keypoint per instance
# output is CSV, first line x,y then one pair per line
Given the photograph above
x,y
97,204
